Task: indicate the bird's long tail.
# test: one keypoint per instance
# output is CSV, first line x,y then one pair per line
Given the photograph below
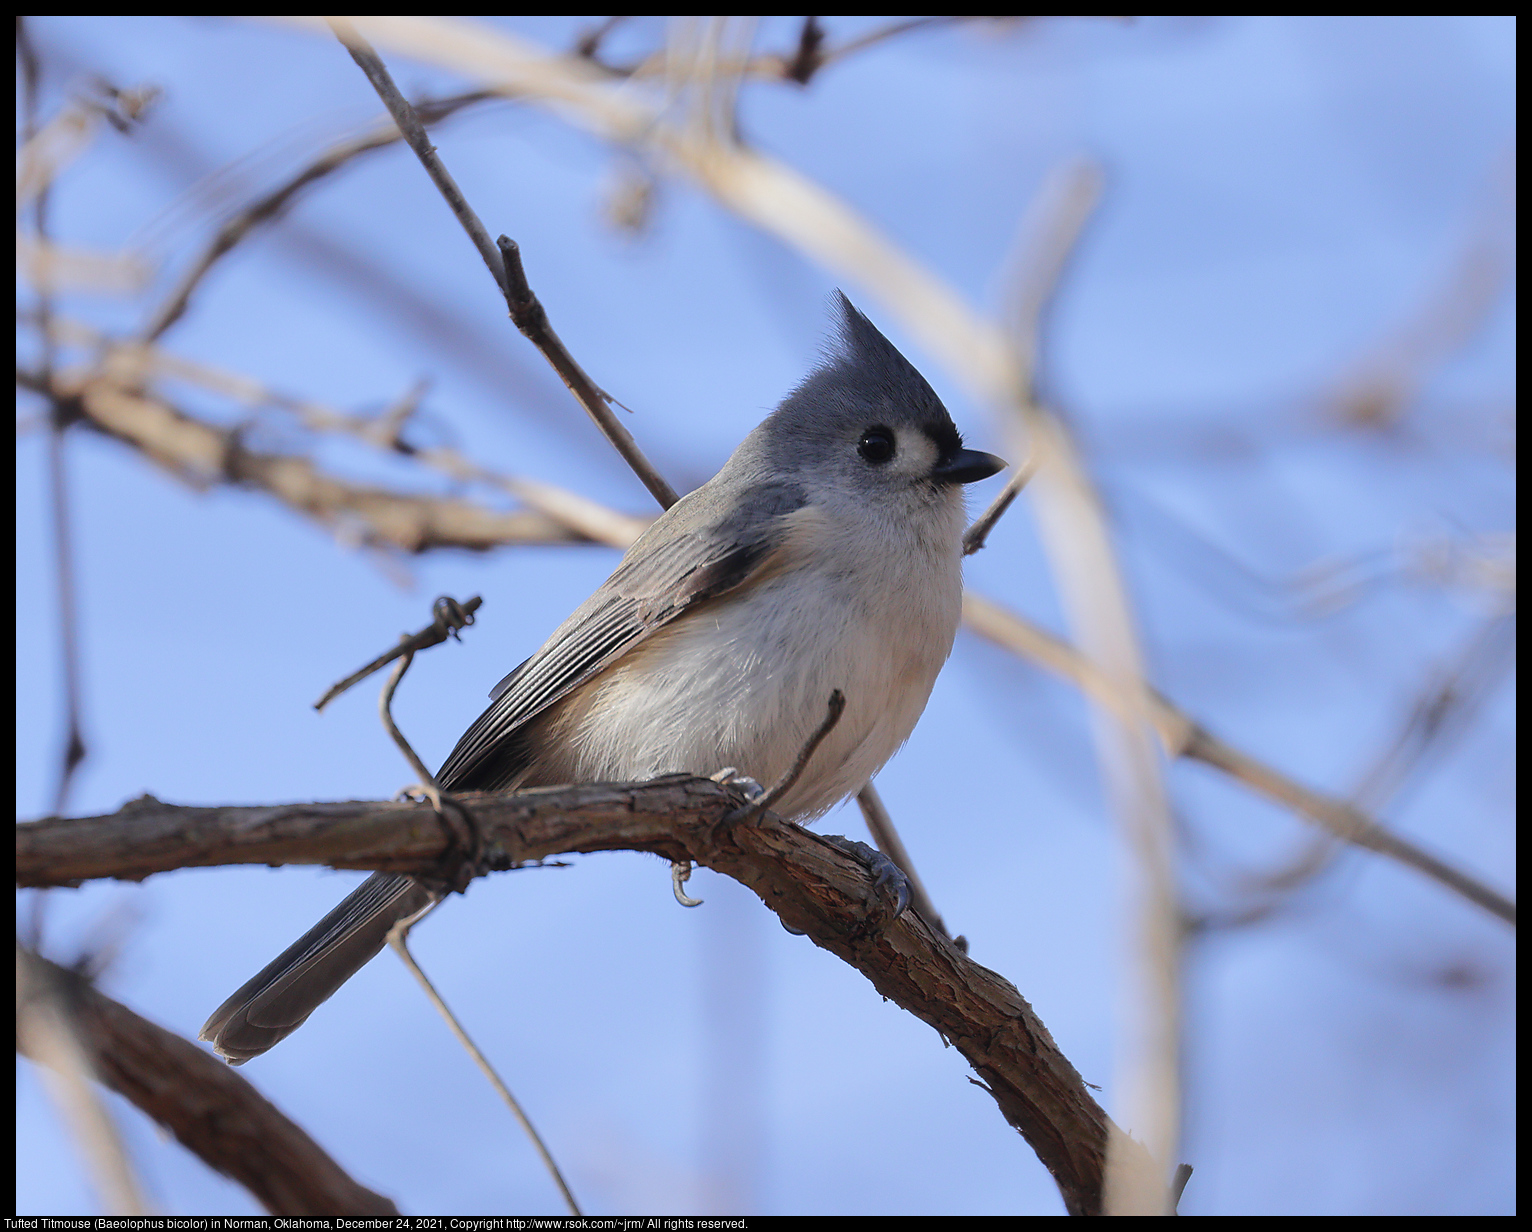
x,y
276,1002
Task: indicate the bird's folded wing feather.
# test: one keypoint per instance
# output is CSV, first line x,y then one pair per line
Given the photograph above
x,y
676,565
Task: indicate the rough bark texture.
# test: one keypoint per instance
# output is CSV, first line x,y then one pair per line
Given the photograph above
x,y
815,886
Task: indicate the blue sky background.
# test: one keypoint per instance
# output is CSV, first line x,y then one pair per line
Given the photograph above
x,y
1282,195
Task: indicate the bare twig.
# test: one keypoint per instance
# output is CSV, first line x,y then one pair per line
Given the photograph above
x,y
1183,1173
807,60
212,1111
63,568
398,938
833,710
532,320
505,267
1445,707
35,177
974,537
427,780
416,137
1346,821
448,617
590,42
270,206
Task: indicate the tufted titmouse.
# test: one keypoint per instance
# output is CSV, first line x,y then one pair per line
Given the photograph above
x,y
827,554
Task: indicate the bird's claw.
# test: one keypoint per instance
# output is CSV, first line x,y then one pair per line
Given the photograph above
x,y
730,776
680,874
890,896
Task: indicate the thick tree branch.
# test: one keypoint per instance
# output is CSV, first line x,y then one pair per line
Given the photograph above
x,y
212,1111
815,887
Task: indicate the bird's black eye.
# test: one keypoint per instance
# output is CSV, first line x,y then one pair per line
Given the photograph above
x,y
876,445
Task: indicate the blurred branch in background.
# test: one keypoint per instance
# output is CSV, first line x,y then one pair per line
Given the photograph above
x,y
50,1034
211,1110
1390,377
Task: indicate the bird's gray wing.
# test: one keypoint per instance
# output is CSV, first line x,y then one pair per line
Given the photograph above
x,y
679,563
683,560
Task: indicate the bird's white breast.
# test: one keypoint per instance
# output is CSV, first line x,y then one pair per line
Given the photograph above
x,y
745,681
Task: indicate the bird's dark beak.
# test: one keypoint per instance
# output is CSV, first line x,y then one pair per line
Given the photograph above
x,y
968,466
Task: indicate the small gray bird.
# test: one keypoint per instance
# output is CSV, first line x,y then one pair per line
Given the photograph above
x,y
827,554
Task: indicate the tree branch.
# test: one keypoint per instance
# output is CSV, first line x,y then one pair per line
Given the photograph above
x,y
202,453
212,1111
816,888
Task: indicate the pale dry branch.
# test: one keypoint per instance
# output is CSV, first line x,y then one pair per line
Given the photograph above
x,y
138,365
202,454
212,1111
812,884
1183,736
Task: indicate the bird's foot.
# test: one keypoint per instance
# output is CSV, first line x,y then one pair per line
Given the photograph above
x,y
890,897
730,776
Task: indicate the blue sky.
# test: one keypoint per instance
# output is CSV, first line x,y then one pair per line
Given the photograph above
x,y
1282,195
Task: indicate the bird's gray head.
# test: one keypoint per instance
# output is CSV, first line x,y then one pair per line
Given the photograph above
x,y
865,422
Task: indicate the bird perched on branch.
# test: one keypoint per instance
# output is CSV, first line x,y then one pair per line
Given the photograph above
x,y
826,555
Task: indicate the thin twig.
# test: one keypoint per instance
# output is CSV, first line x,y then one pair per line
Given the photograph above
x,y
385,702
74,751
398,938
398,935
1183,1174
448,617
505,267
69,637
589,43
834,709
808,58
270,206
1443,710
418,140
532,320
974,537
1346,821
